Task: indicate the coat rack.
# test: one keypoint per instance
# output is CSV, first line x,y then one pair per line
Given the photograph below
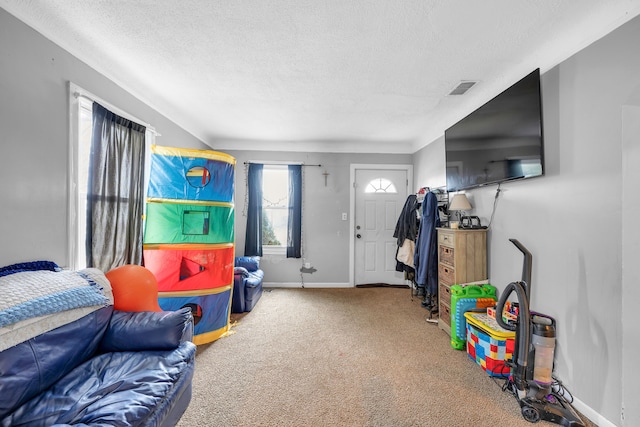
x,y
443,202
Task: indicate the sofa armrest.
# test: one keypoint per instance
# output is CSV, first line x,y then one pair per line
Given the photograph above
x,y
147,330
240,271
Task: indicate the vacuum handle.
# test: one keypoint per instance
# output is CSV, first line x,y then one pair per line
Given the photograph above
x,y
520,246
526,266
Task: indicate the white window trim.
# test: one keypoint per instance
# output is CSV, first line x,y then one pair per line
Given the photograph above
x,y
274,250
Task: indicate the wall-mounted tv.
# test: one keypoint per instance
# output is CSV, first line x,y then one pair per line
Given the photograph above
x,y
500,141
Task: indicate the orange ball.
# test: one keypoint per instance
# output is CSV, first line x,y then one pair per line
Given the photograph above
x,y
134,288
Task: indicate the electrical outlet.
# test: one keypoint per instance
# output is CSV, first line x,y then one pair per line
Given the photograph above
x,y
344,216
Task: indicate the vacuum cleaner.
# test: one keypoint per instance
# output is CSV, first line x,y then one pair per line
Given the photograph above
x,y
531,378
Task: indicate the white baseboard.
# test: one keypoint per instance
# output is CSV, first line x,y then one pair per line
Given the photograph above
x,y
590,413
306,285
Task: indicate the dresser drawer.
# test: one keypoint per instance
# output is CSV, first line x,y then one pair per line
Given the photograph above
x,y
446,274
445,238
445,254
444,293
445,314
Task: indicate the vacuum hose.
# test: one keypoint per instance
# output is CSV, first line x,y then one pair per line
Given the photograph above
x,y
522,328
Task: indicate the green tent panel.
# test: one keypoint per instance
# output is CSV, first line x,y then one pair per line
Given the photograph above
x,y
189,223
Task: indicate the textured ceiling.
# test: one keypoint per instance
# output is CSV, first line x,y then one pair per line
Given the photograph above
x,y
319,75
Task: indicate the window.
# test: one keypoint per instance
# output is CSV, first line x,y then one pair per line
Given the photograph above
x,y
275,206
380,185
274,210
81,122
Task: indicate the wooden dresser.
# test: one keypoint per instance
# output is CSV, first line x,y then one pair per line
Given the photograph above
x,y
462,258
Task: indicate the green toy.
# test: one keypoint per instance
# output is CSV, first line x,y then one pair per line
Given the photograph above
x,y
467,298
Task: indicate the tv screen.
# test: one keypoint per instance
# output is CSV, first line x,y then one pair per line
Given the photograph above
x,y
500,141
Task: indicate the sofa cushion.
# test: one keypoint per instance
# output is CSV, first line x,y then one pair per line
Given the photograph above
x,y
254,279
251,263
146,330
34,365
113,389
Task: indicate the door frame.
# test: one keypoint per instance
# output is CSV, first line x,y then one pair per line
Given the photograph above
x,y
353,167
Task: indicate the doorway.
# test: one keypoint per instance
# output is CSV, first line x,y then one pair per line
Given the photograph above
x,y
378,193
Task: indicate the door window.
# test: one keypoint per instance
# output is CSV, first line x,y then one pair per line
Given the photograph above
x,y
380,185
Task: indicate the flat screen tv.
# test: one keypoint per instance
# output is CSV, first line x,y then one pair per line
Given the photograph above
x,y
500,141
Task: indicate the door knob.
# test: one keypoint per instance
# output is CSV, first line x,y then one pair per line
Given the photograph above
x,y
358,236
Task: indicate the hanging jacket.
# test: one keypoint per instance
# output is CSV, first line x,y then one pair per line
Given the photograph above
x,y
407,225
426,255
406,228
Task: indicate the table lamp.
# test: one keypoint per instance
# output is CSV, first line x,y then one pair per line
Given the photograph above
x,y
459,202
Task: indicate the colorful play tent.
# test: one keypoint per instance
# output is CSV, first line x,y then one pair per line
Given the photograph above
x,y
189,237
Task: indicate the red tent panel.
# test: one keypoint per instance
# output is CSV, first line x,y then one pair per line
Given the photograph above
x,y
190,267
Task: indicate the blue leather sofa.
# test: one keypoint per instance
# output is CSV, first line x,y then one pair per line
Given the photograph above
x,y
247,284
106,368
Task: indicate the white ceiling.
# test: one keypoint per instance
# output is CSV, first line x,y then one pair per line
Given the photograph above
x,y
319,75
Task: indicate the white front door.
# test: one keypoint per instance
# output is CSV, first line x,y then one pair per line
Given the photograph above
x,y
380,195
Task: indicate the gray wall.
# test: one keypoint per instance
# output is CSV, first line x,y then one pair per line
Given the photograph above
x,y
325,236
429,169
34,137
572,221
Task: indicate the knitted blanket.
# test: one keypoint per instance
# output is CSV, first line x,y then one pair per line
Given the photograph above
x,y
26,294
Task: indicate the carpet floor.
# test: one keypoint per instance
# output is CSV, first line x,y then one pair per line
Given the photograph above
x,y
343,357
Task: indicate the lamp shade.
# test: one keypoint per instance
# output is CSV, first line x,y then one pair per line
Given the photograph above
x,y
460,203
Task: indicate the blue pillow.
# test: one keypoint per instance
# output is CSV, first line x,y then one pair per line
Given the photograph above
x,y
251,263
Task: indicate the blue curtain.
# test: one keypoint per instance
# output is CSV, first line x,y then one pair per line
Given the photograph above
x,y
294,226
116,191
253,238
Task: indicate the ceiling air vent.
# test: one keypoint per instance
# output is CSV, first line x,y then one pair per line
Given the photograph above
x,y
463,87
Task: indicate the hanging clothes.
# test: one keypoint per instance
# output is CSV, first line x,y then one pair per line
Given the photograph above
x,y
406,233
426,251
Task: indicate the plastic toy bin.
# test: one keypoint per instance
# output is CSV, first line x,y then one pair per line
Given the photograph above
x,y
488,344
